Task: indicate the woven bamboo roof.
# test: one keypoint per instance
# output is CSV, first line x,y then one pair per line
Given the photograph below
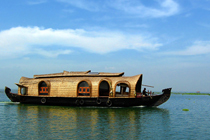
x,y
80,74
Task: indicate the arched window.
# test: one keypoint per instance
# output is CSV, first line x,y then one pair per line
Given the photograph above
x,y
122,90
23,90
104,88
83,89
43,88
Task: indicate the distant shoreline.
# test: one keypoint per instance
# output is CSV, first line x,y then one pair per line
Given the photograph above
x,y
191,93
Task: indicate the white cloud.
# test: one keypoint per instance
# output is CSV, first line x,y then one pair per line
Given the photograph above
x,y
21,41
135,7
165,8
205,25
53,53
83,4
36,2
198,48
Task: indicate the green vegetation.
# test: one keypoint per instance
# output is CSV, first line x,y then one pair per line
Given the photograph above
x,y
191,93
185,93
185,109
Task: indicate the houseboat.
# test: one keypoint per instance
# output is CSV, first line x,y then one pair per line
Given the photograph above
x,y
85,89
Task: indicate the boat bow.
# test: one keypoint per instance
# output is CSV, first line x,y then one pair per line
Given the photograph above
x,y
165,96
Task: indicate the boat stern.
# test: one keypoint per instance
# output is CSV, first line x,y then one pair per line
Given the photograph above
x,y
12,96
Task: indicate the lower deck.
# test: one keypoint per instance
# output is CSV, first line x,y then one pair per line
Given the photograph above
x,y
93,101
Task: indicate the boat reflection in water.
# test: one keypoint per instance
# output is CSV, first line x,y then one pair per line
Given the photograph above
x,y
59,122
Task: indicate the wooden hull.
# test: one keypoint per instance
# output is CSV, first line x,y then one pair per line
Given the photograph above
x,y
155,100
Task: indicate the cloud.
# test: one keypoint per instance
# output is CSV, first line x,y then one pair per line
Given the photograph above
x,y
165,8
36,2
21,41
53,53
89,5
162,9
198,48
205,25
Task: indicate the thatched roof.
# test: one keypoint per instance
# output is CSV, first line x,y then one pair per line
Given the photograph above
x,y
80,74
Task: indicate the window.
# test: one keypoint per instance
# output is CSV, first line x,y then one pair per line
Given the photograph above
x,y
122,90
83,89
43,88
23,90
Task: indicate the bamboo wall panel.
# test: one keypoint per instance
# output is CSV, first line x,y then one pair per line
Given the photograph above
x,y
68,86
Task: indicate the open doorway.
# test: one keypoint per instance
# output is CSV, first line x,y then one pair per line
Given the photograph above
x,y
104,88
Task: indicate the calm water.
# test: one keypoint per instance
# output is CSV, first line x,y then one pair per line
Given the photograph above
x,y
168,121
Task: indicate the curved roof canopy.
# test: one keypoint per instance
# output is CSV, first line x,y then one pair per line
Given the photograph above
x,y
80,74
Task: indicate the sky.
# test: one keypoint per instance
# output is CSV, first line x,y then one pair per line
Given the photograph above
x,y
168,41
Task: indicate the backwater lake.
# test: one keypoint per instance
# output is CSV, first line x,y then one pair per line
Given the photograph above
x,y
167,121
